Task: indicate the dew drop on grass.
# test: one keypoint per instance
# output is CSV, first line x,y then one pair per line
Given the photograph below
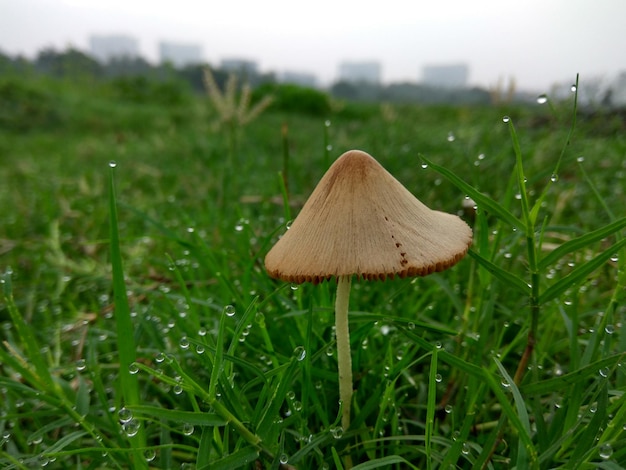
x,y
554,177
573,88
294,286
451,137
229,310
124,415
438,378
542,99
604,372
133,368
199,349
606,451
112,164
131,428
299,353
580,159
336,432
284,458
149,455
609,329
188,429
297,406
506,119
465,448
448,409
81,365
160,357
288,224
327,123
424,166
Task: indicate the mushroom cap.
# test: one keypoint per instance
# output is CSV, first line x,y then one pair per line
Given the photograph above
x,y
361,220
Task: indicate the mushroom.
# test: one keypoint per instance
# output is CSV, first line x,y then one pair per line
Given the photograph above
x,y
361,221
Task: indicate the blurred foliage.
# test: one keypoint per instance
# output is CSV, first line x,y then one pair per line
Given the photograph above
x,y
294,98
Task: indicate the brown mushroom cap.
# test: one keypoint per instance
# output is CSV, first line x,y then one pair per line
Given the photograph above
x,y
361,220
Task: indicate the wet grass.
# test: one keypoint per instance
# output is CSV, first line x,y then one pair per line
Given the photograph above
x,y
140,329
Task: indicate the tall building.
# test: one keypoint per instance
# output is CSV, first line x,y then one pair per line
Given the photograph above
x,y
360,72
180,55
446,76
299,78
106,48
242,66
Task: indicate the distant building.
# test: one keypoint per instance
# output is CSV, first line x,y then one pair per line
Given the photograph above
x,y
299,78
107,48
446,76
359,72
180,55
240,66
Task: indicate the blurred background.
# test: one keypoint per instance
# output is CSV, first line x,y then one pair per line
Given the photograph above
x,y
521,47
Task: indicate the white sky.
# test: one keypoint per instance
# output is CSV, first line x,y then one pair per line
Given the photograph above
x,y
538,42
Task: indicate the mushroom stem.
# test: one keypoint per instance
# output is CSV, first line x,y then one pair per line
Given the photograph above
x,y
344,357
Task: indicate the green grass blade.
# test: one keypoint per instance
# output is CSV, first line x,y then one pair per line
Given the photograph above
x,y
179,416
128,383
522,413
237,459
504,276
581,242
484,202
384,462
579,274
41,373
430,407
556,384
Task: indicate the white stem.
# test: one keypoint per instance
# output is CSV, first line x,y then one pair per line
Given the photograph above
x,y
344,357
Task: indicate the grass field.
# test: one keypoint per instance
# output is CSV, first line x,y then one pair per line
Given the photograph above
x,y
140,329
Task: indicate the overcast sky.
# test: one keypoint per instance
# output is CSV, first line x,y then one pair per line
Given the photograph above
x,y
538,42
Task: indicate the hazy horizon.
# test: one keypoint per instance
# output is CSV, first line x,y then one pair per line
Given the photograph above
x,y
535,43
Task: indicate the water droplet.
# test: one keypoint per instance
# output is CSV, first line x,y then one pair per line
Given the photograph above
x,y
448,409
299,353
451,137
424,165
284,458
294,286
438,345
364,343
606,451
184,343
580,159
160,357
609,329
465,449
291,395
542,99
438,378
81,365
124,415
330,351
410,325
178,389
604,372
288,224
296,405
112,164
615,258
506,119
573,88
229,310
149,455
131,428
554,177
133,368
188,429
327,123
199,349
336,432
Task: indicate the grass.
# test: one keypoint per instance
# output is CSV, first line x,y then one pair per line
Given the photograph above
x,y
140,330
